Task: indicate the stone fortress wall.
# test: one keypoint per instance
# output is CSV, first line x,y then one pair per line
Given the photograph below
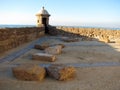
x,y
13,37
105,35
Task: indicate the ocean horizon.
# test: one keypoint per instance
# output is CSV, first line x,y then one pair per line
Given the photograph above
x,y
15,26
24,26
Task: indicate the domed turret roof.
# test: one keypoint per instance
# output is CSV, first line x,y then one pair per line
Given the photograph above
x,y
43,12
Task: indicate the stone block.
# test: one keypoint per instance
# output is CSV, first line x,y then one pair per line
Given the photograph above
x,y
62,45
55,50
29,72
44,57
61,72
41,47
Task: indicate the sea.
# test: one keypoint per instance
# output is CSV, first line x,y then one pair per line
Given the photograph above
x,y
16,26
21,26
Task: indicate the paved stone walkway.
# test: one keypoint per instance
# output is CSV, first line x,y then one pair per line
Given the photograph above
x,y
18,53
79,65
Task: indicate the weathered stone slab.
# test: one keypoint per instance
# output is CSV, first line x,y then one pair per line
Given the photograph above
x,y
61,72
44,57
41,47
68,39
55,50
29,72
62,45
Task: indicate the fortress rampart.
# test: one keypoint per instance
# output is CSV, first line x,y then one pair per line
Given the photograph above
x,y
13,37
105,35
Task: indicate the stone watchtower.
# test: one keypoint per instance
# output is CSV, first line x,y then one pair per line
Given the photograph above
x,y
43,19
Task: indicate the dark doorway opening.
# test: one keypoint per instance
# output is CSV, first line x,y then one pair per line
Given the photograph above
x,y
44,21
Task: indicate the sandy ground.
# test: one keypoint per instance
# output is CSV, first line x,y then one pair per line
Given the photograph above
x,y
88,78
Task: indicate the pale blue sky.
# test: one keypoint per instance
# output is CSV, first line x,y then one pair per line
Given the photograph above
x,y
63,12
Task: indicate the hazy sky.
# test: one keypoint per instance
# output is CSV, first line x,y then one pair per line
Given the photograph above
x,y
63,12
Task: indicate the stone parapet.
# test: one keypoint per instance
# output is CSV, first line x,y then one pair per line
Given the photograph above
x,y
105,35
13,37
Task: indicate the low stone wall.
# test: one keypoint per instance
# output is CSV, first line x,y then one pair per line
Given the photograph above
x,y
105,35
13,37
